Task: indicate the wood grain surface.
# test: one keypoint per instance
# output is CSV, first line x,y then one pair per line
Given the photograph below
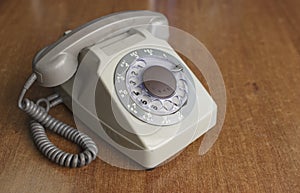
x,y
257,46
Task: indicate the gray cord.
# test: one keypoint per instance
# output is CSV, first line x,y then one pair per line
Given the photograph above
x,y
42,120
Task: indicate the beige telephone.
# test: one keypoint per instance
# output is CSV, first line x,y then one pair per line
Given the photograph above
x,y
123,80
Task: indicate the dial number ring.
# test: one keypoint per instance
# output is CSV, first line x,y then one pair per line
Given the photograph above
x,y
147,107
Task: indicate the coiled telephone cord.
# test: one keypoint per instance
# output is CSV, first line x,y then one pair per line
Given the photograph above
x,y
41,120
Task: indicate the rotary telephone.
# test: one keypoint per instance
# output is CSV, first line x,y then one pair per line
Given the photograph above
x,y
122,79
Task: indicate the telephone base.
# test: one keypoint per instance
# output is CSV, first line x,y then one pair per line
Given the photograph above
x,y
147,155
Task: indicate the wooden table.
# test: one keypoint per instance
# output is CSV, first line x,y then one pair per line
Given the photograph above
x,y
257,46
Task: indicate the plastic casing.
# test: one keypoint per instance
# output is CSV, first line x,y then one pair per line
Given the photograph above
x,y
95,101
99,45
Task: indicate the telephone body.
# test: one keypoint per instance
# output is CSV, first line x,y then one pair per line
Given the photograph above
x,y
122,79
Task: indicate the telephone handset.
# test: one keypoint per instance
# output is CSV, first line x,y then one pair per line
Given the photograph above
x,y
123,80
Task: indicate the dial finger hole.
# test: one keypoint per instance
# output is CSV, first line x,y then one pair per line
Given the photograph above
x,y
133,82
156,105
144,100
182,84
168,105
181,93
134,72
176,100
137,91
140,64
